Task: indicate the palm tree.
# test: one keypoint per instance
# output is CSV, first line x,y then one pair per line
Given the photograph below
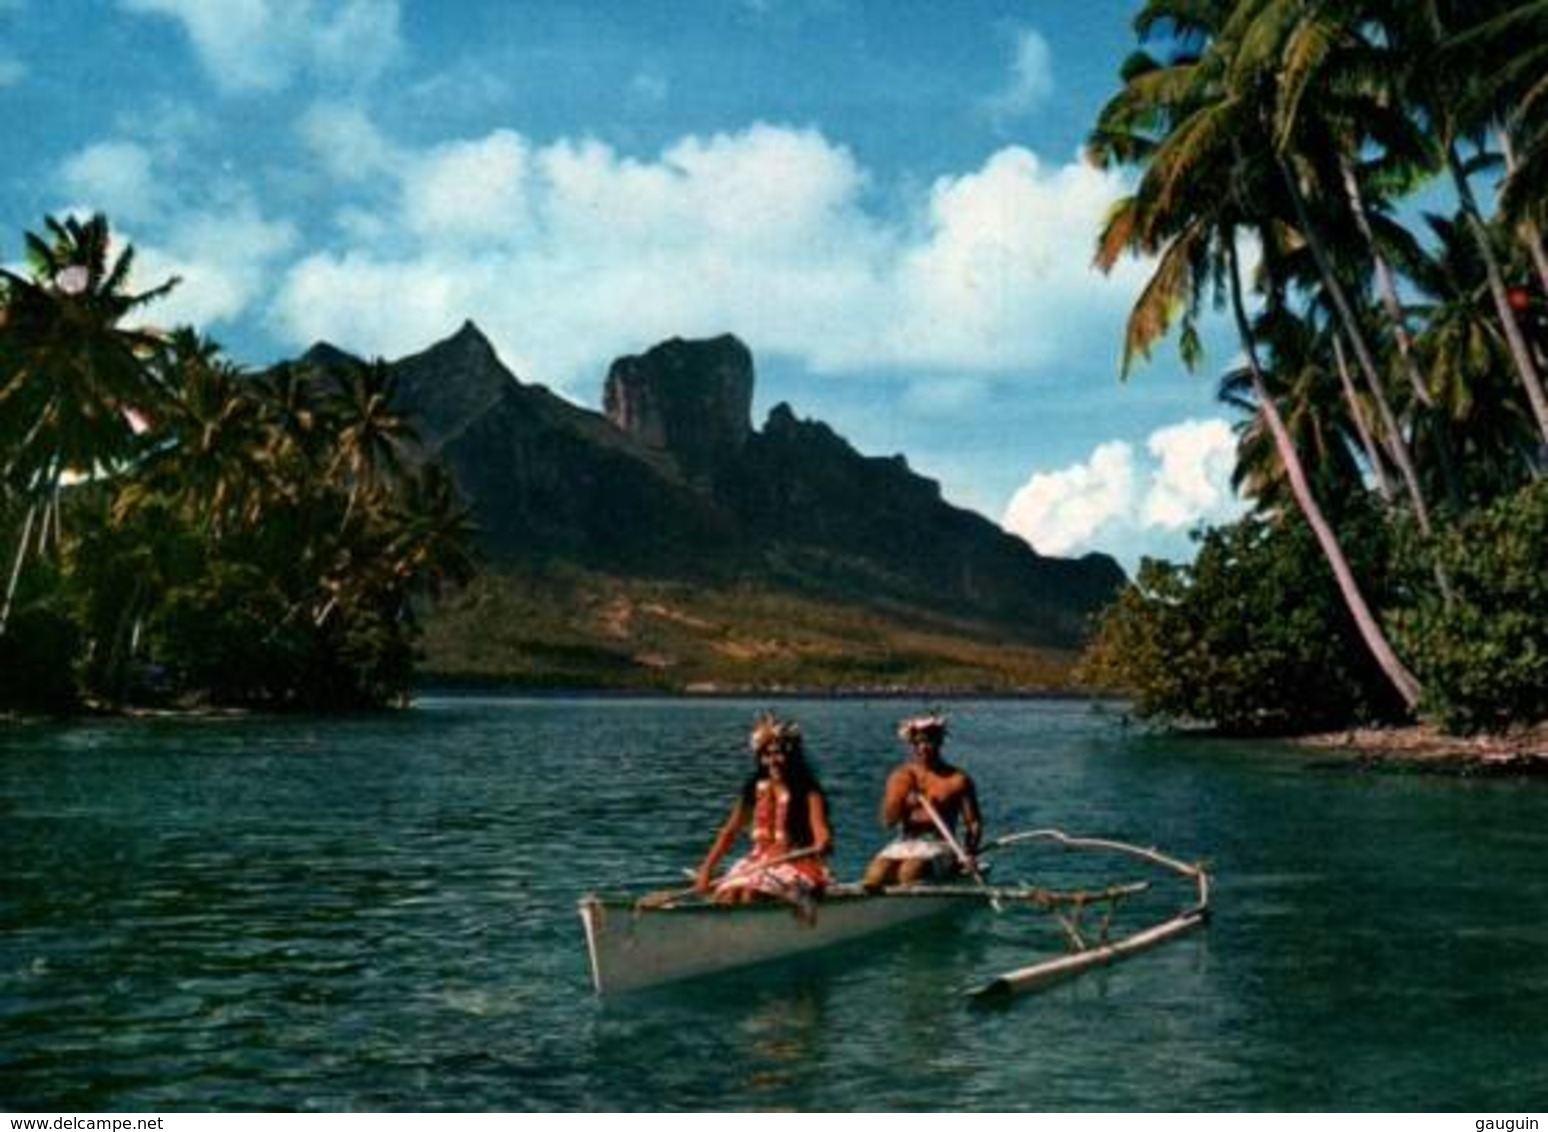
x,y
1507,47
1447,100
373,437
1307,64
295,416
433,547
210,454
1207,179
1486,418
1360,414
75,387
1306,390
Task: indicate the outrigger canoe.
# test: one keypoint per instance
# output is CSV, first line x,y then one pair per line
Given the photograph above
x,y
633,946
636,943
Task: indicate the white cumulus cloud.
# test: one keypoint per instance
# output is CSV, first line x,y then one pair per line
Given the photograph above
x,y
1003,280
260,45
469,192
1117,500
347,143
208,231
1193,481
383,308
225,256
116,177
1058,512
570,252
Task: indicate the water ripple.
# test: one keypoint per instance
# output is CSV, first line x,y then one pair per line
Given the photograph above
x,y
377,914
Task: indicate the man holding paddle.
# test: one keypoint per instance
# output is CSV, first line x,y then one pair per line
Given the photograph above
x,y
924,799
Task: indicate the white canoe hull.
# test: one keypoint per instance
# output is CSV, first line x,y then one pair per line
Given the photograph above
x,y
632,948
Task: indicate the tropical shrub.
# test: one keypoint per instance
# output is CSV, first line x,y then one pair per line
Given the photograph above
x,y
1482,651
38,654
1252,637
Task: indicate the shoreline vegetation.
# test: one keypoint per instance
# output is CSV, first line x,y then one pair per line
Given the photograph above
x,y
179,532
1387,166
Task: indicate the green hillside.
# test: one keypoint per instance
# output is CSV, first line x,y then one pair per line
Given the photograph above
x,y
586,630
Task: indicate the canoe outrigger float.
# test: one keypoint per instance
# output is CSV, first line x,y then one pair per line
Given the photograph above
x,y
635,943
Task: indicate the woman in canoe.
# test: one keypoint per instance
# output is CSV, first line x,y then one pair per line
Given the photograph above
x,y
783,809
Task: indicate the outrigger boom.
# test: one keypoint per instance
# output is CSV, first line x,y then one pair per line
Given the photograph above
x,y
1087,956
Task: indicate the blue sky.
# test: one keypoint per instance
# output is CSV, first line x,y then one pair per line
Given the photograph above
x,y
884,199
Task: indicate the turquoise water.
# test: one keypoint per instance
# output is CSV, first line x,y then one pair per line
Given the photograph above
x,y
379,913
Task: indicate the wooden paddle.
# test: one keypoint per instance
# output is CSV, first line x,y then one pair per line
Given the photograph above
x,y
968,863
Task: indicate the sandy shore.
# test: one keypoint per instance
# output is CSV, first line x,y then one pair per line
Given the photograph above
x,y
1522,751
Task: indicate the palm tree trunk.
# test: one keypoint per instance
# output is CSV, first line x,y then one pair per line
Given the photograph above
x,y
50,527
1386,283
1357,411
1396,442
1402,680
1533,239
1531,235
120,650
1520,351
16,568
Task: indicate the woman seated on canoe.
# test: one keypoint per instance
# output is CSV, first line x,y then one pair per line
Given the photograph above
x,y
786,815
924,798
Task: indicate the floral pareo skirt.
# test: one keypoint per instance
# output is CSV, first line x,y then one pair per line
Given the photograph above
x,y
788,880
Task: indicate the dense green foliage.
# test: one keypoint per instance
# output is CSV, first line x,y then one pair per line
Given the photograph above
x,y
1251,636
38,652
1483,654
179,531
1388,367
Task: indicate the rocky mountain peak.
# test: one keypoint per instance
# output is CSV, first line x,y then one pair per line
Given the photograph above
x,y
674,483
325,355
453,382
692,398
469,344
781,419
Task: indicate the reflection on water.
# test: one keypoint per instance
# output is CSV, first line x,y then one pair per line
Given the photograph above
x,y
379,913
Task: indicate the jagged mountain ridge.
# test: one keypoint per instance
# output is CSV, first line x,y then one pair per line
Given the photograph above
x,y
673,482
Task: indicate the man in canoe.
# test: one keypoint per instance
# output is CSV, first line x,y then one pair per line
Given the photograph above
x,y
925,799
785,813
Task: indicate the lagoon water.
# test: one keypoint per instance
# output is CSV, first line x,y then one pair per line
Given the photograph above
x,y
379,913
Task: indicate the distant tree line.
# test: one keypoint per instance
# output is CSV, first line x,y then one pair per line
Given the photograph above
x,y
176,531
1394,430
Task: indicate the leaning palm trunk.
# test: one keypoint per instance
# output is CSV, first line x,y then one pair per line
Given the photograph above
x,y
1404,681
1396,442
44,505
1520,350
1386,284
1533,238
16,567
1531,235
1362,426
